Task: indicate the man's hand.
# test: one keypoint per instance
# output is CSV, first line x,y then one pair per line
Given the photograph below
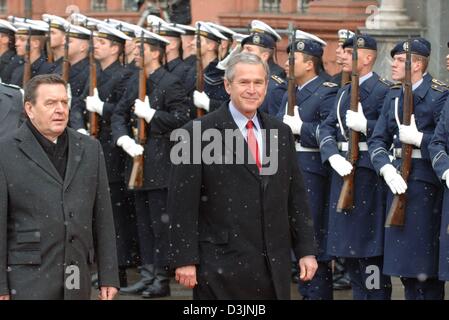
x,y
294,122
94,104
446,177
410,134
132,148
393,179
7,297
83,131
356,120
143,109
201,100
342,166
307,268
186,276
107,293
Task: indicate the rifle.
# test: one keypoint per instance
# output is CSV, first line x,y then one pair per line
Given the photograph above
x,y
50,56
346,198
291,73
199,69
345,77
27,61
396,215
66,63
137,177
93,116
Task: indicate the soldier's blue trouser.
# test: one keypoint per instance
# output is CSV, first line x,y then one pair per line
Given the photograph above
x,y
430,289
367,280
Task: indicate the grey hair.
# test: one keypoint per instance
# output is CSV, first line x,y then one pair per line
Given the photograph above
x,y
245,58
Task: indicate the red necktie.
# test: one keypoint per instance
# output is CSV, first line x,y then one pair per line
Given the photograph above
x,y
252,143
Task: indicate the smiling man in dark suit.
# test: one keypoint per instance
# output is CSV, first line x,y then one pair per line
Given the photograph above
x,y
55,209
233,224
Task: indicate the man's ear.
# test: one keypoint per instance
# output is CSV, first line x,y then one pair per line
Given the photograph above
x,y
227,85
29,109
265,56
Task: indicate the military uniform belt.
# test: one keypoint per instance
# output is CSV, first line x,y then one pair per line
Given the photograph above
x,y
344,146
300,148
416,153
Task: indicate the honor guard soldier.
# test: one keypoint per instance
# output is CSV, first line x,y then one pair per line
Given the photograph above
x,y
163,110
341,78
260,27
411,251
314,101
128,54
34,31
214,93
8,58
57,30
225,45
173,51
112,79
12,114
356,233
263,45
438,151
188,44
78,52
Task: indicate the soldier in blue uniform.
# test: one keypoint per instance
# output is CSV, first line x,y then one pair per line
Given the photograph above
x,y
57,30
112,80
164,109
8,58
214,93
343,35
438,151
411,252
314,101
263,45
357,234
39,64
261,27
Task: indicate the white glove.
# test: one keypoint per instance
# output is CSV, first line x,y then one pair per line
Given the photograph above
x,y
356,120
83,131
201,100
69,95
445,177
143,110
410,134
94,104
393,179
342,166
294,122
130,146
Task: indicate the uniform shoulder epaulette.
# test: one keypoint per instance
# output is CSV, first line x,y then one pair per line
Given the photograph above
x,y
386,82
277,79
330,84
440,83
439,88
396,85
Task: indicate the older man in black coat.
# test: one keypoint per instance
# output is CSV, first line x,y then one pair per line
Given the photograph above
x,y
55,210
235,219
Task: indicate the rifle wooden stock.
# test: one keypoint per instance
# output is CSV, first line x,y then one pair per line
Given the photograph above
x,y
66,63
93,116
346,198
345,78
27,63
396,214
50,56
199,70
136,179
291,89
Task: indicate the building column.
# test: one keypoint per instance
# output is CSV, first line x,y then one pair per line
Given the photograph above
x,y
389,25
